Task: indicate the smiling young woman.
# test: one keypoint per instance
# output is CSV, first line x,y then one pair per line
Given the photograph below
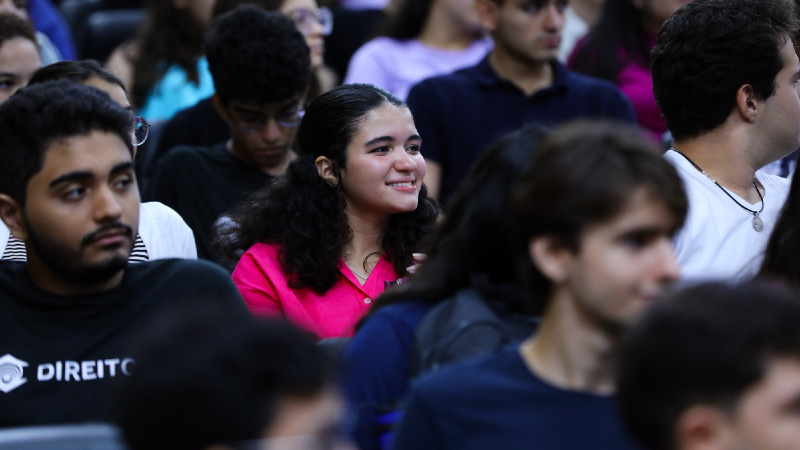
x,y
317,245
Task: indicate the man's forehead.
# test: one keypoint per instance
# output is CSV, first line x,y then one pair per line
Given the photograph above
x,y
96,152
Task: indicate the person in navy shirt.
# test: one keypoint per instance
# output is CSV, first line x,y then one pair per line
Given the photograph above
x,y
519,82
594,216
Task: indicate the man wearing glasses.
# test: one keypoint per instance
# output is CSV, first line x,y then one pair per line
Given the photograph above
x,y
260,65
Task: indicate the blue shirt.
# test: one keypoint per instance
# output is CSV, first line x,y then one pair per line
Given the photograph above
x,y
47,18
496,402
459,115
377,367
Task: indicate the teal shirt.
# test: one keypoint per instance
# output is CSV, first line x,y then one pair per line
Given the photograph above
x,y
174,92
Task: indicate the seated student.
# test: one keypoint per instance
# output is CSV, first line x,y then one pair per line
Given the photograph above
x,y
595,212
68,190
163,66
259,90
714,367
19,54
228,382
728,120
420,40
48,52
320,242
618,49
520,82
471,256
201,124
162,232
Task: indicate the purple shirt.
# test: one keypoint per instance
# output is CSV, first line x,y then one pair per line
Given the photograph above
x,y
398,65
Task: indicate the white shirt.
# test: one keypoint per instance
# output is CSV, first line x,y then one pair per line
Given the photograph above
x,y
163,231
718,240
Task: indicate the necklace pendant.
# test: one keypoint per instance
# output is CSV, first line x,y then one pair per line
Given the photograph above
x,y
758,224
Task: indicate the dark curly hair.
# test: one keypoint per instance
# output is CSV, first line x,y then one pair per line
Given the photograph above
x,y
12,27
305,214
708,49
37,115
77,71
257,56
168,36
620,28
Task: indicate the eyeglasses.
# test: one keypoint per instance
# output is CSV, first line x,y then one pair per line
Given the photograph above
x,y
305,19
140,130
252,122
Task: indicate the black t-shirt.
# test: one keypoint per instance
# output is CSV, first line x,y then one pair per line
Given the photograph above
x,y
200,184
198,125
496,402
60,356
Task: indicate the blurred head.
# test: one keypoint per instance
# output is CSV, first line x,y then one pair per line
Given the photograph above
x,y
19,54
311,20
364,143
91,73
413,15
595,213
714,58
526,30
198,10
67,186
17,7
714,366
653,13
219,379
260,65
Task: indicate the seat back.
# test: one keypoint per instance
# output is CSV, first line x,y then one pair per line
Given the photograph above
x,y
107,29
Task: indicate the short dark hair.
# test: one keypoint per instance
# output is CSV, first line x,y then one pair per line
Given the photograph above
x,y
257,56
583,174
76,71
707,344
214,378
12,27
37,115
223,6
708,49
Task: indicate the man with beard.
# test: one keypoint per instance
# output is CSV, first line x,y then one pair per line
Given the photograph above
x,y
68,190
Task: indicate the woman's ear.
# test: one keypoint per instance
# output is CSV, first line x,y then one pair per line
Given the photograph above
x,y
325,170
551,257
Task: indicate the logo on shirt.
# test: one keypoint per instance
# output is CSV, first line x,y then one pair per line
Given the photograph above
x,y
11,373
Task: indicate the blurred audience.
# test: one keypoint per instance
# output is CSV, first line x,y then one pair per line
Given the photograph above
x,y
520,82
47,51
19,54
163,67
201,125
728,120
420,40
162,232
47,18
321,242
211,380
618,49
259,93
714,366
68,190
594,215
471,259
579,16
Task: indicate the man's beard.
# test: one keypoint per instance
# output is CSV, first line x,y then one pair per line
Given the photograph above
x,y
66,262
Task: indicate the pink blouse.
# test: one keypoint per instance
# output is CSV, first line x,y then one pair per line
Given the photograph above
x,y
263,284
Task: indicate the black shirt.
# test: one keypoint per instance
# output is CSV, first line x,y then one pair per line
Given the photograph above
x,y
200,184
459,115
199,125
60,356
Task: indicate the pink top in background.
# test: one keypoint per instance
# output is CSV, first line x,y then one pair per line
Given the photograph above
x,y
263,284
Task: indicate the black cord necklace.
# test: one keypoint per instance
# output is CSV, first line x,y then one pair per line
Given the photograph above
x,y
758,224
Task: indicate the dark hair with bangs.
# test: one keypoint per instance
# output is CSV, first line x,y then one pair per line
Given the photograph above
x,y
584,174
257,56
37,115
12,27
708,49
